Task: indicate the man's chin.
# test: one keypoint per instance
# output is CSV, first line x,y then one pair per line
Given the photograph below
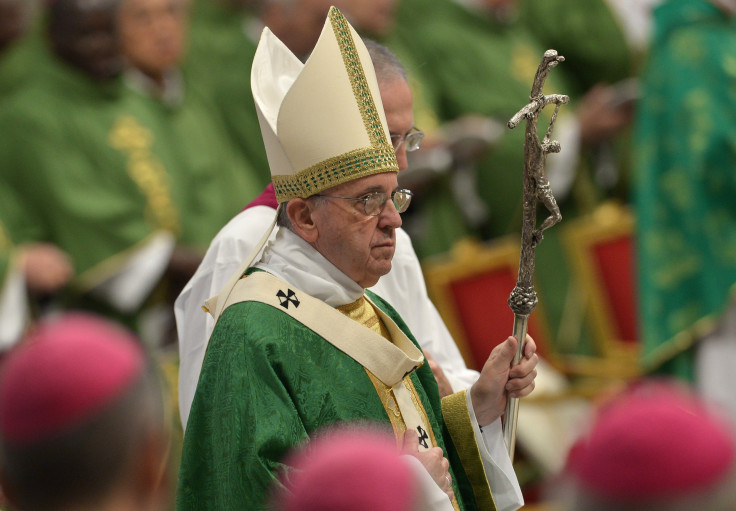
x,y
378,271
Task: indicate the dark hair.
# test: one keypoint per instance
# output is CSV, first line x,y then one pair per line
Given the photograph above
x,y
84,463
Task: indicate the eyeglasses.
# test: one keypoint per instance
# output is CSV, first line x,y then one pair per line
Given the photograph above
x,y
413,140
374,203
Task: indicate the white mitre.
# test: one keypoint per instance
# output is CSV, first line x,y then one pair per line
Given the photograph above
x,y
322,121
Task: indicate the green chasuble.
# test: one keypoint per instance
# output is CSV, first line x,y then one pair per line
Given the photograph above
x,y
18,62
477,65
267,383
84,162
200,154
218,65
686,184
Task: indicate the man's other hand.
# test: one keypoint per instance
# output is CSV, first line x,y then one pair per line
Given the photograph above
x,y
433,461
498,380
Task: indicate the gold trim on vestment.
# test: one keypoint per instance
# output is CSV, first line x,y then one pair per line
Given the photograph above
x,y
362,311
418,405
361,91
146,171
386,395
334,171
458,422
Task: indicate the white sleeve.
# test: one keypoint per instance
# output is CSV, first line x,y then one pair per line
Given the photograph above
x,y
499,469
194,326
130,285
404,288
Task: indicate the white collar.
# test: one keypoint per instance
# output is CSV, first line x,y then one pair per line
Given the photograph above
x,y
295,261
172,94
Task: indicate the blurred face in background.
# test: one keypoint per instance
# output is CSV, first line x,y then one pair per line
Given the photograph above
x,y
84,34
297,23
153,34
372,17
500,8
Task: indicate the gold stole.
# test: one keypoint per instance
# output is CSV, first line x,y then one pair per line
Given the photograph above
x,y
364,313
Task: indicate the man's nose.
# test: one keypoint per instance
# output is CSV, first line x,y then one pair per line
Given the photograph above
x,y
389,217
401,158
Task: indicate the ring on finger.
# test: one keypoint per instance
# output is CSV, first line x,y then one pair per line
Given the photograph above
x,y
449,482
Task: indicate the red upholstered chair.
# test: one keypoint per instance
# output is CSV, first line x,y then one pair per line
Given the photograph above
x,y
470,287
600,248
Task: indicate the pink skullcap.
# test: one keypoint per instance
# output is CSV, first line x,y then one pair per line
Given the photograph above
x,y
655,440
360,471
266,198
62,373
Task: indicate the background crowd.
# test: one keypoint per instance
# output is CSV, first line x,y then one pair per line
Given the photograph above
x,y
129,138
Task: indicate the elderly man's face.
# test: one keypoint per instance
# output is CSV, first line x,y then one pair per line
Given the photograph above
x,y
360,246
367,252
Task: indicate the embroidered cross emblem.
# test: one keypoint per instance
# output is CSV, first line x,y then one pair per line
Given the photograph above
x,y
423,436
286,298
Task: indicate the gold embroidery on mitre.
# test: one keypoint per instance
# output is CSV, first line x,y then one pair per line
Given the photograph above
x,y
334,171
146,171
358,81
377,158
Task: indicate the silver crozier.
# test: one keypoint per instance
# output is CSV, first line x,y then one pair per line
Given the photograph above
x,y
523,299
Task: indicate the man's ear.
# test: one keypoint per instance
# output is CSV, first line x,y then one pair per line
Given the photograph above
x,y
300,212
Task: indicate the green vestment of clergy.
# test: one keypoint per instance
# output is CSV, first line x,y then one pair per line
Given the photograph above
x,y
268,382
587,33
686,156
218,65
18,62
217,180
85,164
